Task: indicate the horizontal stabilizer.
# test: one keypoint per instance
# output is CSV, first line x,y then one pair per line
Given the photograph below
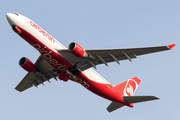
x,y
113,106
136,99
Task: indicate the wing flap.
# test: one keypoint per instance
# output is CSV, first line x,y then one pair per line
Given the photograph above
x,y
107,59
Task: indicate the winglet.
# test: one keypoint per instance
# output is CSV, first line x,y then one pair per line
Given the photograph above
x,y
171,46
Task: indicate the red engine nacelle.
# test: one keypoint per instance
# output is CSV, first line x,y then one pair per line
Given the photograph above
x,y
77,50
26,64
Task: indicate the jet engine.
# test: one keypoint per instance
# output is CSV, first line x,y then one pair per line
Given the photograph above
x,y
26,64
77,50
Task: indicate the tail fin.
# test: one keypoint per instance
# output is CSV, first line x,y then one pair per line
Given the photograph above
x,y
128,87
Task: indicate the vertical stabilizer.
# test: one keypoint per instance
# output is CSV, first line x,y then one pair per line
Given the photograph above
x,y
128,87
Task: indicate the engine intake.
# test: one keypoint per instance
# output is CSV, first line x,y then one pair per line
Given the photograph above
x,y
26,64
77,50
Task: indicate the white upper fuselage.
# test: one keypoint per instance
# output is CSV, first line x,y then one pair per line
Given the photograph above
x,y
30,26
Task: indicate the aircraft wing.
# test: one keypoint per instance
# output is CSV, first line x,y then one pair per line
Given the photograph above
x,y
45,74
104,56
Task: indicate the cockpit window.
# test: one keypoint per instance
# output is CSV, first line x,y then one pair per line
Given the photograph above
x,y
16,14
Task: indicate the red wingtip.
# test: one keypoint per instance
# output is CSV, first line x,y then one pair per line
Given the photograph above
x,y
171,46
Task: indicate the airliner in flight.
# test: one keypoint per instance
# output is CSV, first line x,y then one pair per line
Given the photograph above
x,y
75,63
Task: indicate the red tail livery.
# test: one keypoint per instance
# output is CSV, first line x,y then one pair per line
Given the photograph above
x,y
128,87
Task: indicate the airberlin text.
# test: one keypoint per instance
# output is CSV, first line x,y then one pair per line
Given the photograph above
x,y
42,31
47,55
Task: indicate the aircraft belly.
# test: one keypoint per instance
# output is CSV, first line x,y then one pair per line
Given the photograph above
x,y
57,61
106,91
88,79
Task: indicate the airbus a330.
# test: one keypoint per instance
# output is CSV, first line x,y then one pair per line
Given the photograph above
x,y
75,63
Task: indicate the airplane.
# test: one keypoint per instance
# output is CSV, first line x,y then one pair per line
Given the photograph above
x,y
75,63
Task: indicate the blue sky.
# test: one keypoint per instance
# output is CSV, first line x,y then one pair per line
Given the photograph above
x,y
94,24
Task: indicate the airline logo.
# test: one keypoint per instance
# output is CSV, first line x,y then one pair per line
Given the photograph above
x,y
48,56
42,31
130,87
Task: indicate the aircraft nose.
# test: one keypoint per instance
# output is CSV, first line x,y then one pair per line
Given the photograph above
x,y
9,17
7,14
